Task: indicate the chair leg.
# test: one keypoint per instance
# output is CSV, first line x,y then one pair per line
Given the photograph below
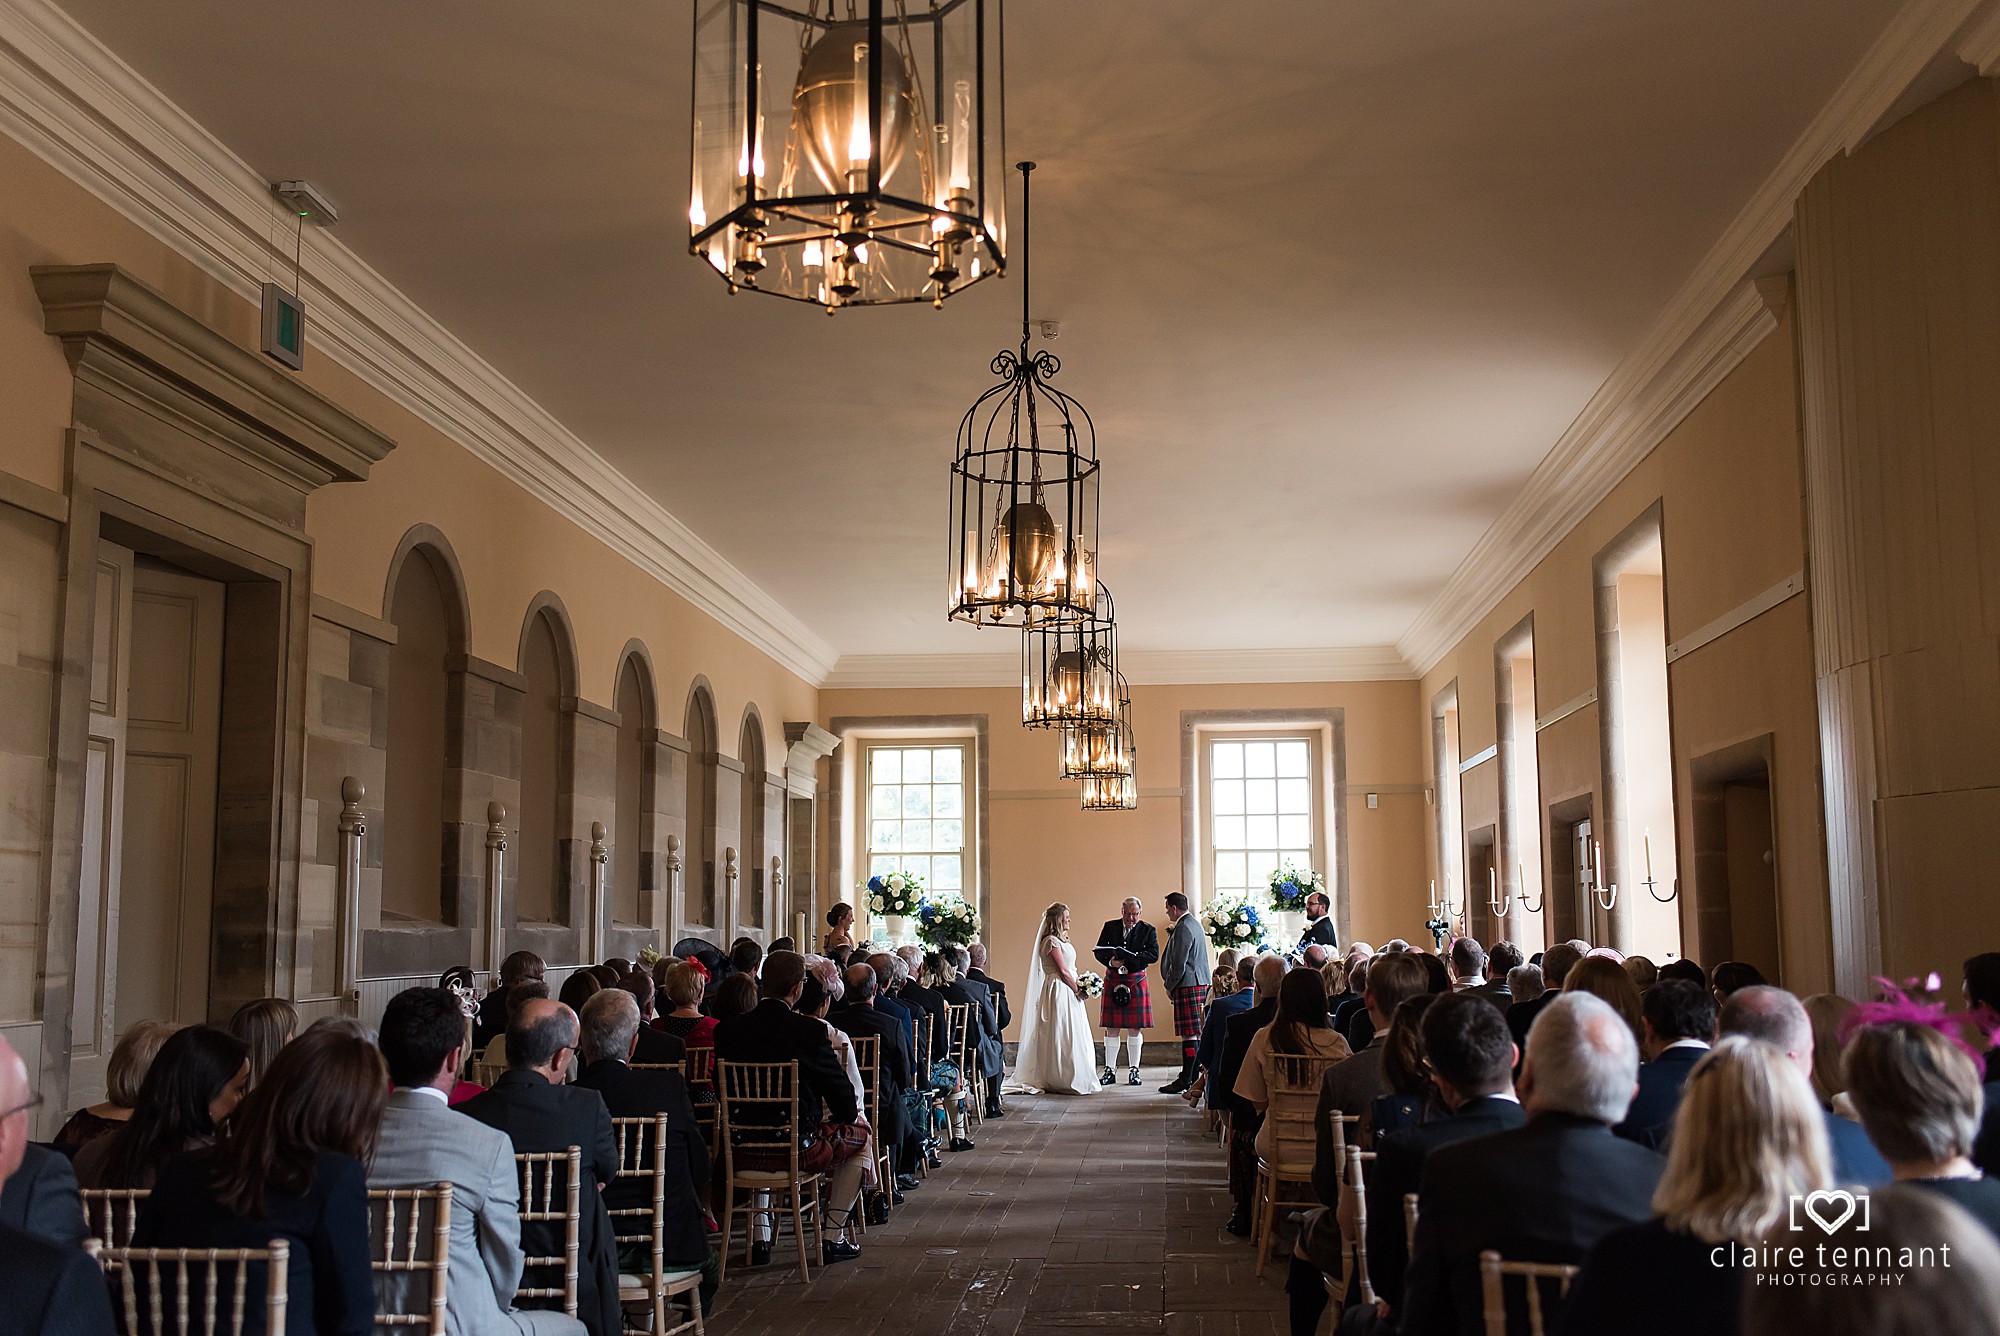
x,y
1267,1214
799,1232
728,1227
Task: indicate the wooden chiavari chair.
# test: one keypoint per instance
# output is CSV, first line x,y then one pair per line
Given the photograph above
x,y
200,1281
401,1221
1409,1222
642,1154
958,1030
112,1214
673,1067
1493,1273
552,1193
1294,1092
490,1061
760,1145
868,1057
700,1075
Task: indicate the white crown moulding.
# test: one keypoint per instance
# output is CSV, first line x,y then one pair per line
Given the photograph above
x,y
1712,323
1367,663
73,102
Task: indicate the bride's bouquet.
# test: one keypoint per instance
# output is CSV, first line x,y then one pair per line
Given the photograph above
x,y
1092,983
1233,925
946,920
895,893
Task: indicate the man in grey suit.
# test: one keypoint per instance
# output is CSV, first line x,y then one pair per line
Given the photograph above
x,y
1184,970
423,1143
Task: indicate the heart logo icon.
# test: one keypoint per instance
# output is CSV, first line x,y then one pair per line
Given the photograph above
x,y
1830,1209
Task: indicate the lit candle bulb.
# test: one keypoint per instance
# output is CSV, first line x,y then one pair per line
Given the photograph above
x,y
1647,840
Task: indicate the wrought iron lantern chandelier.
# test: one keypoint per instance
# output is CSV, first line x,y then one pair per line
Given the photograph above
x,y
1100,751
1118,793
1023,490
884,183
1069,669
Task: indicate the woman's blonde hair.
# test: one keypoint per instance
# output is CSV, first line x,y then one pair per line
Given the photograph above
x,y
682,984
1051,923
131,1058
1826,1011
1335,974
1748,1138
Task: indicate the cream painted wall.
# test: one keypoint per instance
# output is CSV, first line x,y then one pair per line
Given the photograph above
x,y
1728,479
510,546
1044,848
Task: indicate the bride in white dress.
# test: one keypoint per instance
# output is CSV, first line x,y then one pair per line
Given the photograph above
x,y
1057,1054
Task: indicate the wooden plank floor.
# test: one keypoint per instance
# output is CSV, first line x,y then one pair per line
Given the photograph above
x,y
1102,1213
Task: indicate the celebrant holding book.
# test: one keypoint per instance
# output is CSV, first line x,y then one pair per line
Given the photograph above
x,y
1125,948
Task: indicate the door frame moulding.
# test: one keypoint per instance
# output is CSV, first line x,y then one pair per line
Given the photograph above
x,y
191,449
74,103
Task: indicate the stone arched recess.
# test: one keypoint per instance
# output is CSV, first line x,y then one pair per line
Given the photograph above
x,y
761,823
649,795
567,779
700,908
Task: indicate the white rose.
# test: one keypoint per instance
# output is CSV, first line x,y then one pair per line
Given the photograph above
x,y
896,883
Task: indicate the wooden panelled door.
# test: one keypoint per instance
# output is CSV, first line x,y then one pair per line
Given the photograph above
x,y
149,809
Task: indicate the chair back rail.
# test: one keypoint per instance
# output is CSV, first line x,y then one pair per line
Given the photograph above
x,y
112,1214
1294,1099
145,1275
1493,1272
552,1192
642,1154
758,1115
674,1067
410,1232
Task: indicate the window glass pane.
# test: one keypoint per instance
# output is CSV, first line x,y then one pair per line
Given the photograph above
x,y
1229,871
1228,797
919,864
881,865
1228,762
888,800
917,835
1295,796
1260,831
947,873
1260,795
947,765
917,766
947,834
1260,760
916,801
884,834
947,800
1293,760
885,765
1259,864
1229,832
1295,831
1301,858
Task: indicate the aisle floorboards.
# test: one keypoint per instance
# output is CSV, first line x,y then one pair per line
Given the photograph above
x,y
1102,1213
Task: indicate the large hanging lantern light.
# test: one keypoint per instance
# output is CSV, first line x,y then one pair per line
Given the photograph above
x,y
1069,669
848,152
1099,751
1119,793
1024,490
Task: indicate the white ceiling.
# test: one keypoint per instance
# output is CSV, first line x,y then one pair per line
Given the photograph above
x,y
1332,277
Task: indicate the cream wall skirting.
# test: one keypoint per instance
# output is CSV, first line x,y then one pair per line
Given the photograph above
x,y
77,105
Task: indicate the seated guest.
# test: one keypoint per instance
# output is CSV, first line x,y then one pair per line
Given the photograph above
x,y
611,1031
1981,987
1543,1192
1468,964
1300,1029
1828,1014
1437,974
265,1026
1557,962
1748,1142
927,1006
1501,961
1775,1017
1243,1118
606,976
619,966
1524,984
1731,975
1685,969
424,1143
530,1103
679,1005
1407,1102
1350,1006
578,989
1350,1087
1606,978
745,956
1901,1221
1470,1057
1642,971
1679,1021
826,1107
131,1058
976,952
49,1286
655,1046
784,944
491,1022
736,996
1918,1094
1333,973
887,981
193,1086
992,1058
1225,1006
291,1167
857,1015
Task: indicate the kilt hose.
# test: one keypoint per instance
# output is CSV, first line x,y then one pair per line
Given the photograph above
x,y
1136,1014
1190,1002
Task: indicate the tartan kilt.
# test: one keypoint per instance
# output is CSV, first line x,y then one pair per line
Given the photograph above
x,y
835,1143
1190,1003
1134,1015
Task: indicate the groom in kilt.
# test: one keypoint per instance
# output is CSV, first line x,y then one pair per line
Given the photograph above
x,y
1125,948
1184,969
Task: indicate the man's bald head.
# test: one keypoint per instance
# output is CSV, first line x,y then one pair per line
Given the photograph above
x,y
861,982
13,1094
1270,975
1772,1016
538,1034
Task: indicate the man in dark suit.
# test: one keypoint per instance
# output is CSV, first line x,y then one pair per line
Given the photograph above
x,y
774,1032
530,1103
1215,1030
611,1032
1319,924
49,1287
40,1198
928,1008
886,1002
992,1057
1557,962
1268,976
1471,1059
1543,1192
1775,1017
977,951
1680,1023
656,1047
491,1022
1500,962
860,1012
1125,947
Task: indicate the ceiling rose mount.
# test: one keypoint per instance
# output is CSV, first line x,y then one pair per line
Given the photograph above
x,y
848,152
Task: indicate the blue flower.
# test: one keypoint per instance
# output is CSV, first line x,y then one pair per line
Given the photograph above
x,y
875,884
